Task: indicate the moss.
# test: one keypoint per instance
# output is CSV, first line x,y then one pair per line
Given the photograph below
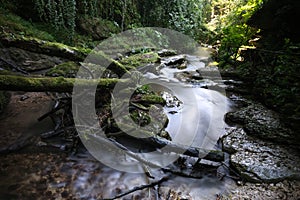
x,y
67,69
138,60
101,58
153,99
37,45
144,89
140,118
57,84
6,72
12,23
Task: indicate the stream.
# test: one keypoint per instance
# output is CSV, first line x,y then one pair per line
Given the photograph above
x,y
38,171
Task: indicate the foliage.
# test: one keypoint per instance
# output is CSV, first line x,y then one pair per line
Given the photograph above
x,y
17,26
123,13
184,16
11,23
151,37
233,37
229,20
272,74
61,15
275,78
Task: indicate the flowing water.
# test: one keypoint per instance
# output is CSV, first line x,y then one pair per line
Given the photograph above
x,y
199,119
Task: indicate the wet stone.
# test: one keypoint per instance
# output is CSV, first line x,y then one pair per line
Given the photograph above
x,y
64,194
174,61
281,190
166,52
260,161
28,61
262,123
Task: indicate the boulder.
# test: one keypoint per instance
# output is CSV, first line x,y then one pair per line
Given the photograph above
x,y
263,123
260,161
26,60
98,28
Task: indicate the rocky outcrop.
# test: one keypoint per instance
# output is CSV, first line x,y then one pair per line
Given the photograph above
x,y
261,148
260,161
26,60
262,123
43,47
98,28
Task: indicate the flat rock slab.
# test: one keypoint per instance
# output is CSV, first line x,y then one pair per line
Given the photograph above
x,y
27,60
174,61
261,161
263,123
275,191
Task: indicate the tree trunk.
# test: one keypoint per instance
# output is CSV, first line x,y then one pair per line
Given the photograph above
x,y
53,84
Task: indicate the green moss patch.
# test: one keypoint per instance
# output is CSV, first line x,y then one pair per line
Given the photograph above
x,y
12,23
138,60
67,69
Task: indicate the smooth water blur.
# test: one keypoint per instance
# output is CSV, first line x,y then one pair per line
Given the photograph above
x,y
201,115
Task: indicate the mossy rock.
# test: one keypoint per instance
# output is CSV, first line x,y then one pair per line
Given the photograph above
x,y
138,60
153,121
140,118
45,47
67,69
98,28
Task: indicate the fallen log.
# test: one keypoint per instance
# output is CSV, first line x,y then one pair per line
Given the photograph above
x,y
53,84
158,142
212,155
45,47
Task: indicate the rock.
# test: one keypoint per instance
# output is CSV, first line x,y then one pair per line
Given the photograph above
x,y
166,53
98,28
260,161
36,45
183,65
67,69
281,190
239,101
140,59
174,61
28,61
261,122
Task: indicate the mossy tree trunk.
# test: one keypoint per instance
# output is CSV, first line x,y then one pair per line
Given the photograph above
x,y
60,84
53,84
